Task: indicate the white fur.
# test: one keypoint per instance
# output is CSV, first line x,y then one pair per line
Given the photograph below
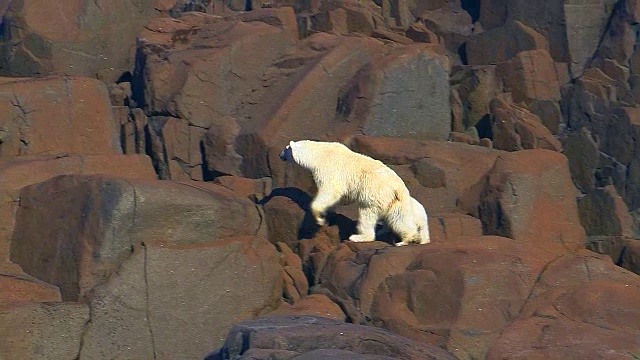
x,y
343,175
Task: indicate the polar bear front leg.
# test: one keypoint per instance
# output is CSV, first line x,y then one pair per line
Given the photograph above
x,y
367,219
323,202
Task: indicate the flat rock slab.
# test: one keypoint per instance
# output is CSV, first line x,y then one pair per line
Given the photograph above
x,y
307,337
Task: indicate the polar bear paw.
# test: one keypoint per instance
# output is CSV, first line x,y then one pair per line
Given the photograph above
x,y
321,221
359,238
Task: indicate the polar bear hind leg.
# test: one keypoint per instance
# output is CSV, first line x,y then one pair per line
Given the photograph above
x,y
323,201
367,220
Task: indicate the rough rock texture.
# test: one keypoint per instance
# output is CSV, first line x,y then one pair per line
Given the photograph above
x,y
512,118
603,212
42,331
304,334
105,217
27,170
529,197
446,294
84,38
56,115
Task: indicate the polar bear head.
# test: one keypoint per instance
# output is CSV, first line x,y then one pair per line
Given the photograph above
x,y
287,153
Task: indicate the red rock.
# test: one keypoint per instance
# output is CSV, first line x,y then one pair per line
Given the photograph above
x,y
27,170
452,24
582,305
319,338
404,94
502,44
581,149
515,128
540,338
420,33
104,217
83,39
313,305
631,256
42,331
530,75
56,116
443,227
246,187
518,204
603,212
459,294
23,289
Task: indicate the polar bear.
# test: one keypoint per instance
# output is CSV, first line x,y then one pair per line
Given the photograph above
x,y
342,175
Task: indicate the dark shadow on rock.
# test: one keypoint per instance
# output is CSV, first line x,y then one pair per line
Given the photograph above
x,y
308,229
216,355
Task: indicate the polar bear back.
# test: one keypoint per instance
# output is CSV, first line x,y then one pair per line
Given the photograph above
x,y
356,176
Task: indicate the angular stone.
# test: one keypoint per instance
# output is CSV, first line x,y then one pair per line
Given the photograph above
x,y
603,212
42,331
502,44
56,116
529,196
303,334
101,218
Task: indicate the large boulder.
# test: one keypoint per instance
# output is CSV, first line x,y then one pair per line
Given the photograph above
x,y
458,294
582,306
529,196
83,38
56,115
22,171
405,94
100,218
310,337
179,301
42,331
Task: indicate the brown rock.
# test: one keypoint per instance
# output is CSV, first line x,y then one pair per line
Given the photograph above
x,y
405,94
582,305
56,116
603,212
304,335
27,170
443,294
285,217
312,305
582,151
83,39
540,338
444,227
135,312
503,43
477,86
228,290
391,36
586,24
259,188
546,18
42,331
530,75
529,197
189,80
451,23
515,128
105,217
420,33
296,285
631,256
23,289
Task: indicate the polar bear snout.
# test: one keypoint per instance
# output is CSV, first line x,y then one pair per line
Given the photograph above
x,y
286,154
